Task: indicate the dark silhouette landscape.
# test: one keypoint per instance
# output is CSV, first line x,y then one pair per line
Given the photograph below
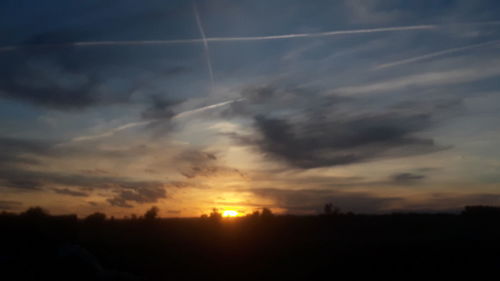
x,y
261,246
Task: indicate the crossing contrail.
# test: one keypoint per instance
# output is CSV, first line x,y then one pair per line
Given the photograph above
x,y
131,125
437,54
205,45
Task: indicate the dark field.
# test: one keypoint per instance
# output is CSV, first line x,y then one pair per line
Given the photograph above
x,y
35,246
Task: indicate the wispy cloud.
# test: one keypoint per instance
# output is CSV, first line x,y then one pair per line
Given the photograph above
x,y
454,76
437,54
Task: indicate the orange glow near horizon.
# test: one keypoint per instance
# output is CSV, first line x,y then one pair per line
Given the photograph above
x,y
230,214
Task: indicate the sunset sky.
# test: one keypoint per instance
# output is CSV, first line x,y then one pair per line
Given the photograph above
x,y
373,105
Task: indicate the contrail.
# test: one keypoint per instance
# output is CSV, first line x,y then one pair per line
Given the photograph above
x,y
323,34
143,123
194,111
220,39
436,54
205,44
111,132
101,43
240,39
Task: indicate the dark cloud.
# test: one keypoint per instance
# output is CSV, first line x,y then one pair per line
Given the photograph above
x,y
46,74
48,78
260,94
440,107
195,163
66,191
21,184
173,71
275,98
160,109
119,202
159,113
307,201
320,142
16,175
21,151
94,171
308,128
124,190
138,193
29,152
407,177
9,205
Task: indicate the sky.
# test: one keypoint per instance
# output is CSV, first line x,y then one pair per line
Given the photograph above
x,y
374,106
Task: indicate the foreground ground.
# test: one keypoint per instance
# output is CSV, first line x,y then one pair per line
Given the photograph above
x,y
254,248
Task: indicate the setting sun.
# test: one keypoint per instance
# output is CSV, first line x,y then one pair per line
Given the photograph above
x,y
230,213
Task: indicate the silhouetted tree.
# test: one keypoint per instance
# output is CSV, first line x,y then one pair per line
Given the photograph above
x,y
329,209
152,213
266,213
96,217
481,211
5,214
215,215
254,215
35,212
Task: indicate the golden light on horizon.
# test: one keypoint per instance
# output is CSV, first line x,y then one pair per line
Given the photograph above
x,y
230,214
